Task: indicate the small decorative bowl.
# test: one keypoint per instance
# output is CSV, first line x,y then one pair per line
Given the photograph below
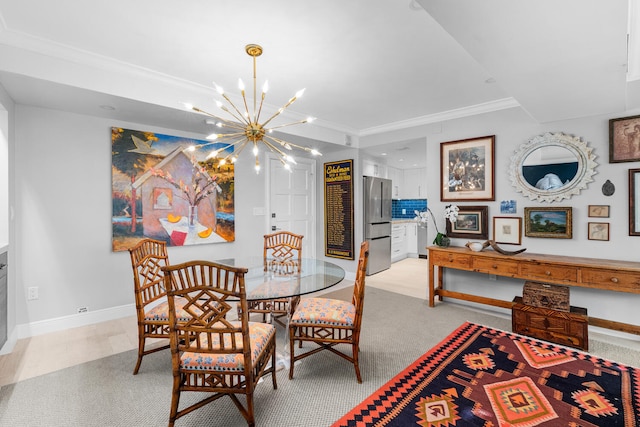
x,y
475,246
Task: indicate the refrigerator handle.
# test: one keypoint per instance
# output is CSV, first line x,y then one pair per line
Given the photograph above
x,y
381,198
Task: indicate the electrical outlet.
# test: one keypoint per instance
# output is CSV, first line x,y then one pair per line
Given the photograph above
x,y
32,293
404,211
83,309
492,277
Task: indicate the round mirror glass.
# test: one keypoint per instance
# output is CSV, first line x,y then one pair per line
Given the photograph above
x,y
552,167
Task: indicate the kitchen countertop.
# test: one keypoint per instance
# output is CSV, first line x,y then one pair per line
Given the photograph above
x,y
402,220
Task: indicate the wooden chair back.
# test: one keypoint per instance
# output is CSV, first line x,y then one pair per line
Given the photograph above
x,y
207,287
283,251
358,287
148,257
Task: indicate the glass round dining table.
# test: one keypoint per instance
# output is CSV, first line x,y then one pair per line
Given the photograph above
x,y
313,275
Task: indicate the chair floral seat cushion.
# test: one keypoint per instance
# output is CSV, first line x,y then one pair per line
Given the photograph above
x,y
325,311
160,312
259,333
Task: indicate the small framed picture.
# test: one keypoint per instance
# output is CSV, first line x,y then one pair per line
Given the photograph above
x,y
624,139
599,211
508,207
507,229
472,222
598,231
548,222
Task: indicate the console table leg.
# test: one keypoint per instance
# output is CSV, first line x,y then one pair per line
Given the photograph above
x,y
431,285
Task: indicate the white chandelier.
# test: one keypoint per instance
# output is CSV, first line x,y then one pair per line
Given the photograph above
x,y
245,127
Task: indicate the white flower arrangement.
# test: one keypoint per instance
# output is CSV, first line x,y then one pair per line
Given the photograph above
x,y
450,213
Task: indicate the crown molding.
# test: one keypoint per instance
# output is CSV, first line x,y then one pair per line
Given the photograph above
x,y
487,107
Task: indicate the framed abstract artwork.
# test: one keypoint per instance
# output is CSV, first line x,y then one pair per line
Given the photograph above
x,y
467,169
167,188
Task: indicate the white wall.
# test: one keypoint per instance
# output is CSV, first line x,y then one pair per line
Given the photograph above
x,y
63,216
512,128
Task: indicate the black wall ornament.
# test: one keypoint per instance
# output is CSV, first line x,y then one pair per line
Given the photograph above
x,y
608,188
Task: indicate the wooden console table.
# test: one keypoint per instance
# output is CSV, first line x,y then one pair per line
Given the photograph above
x,y
611,275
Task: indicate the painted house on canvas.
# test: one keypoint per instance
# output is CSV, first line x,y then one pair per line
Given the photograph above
x,y
178,198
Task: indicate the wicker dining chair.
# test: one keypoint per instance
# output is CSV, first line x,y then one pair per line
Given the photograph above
x,y
148,257
329,322
283,256
210,353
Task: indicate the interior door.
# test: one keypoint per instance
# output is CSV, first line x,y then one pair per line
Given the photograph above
x,y
291,205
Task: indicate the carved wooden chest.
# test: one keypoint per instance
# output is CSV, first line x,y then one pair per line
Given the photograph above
x,y
566,328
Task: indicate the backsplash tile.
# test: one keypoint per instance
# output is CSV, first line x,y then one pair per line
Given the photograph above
x,y
409,206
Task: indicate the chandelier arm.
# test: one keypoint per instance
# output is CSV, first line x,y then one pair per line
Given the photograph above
x,y
291,101
274,148
238,118
244,100
283,142
225,136
230,123
289,124
260,109
244,144
242,117
273,117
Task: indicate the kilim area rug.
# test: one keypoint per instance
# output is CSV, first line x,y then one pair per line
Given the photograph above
x,y
479,376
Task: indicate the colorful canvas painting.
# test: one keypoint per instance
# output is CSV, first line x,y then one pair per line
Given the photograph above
x,y
167,188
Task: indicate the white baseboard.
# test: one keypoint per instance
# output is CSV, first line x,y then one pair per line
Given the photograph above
x,y
73,321
8,346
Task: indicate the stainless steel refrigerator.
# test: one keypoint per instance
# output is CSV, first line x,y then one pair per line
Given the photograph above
x,y
377,222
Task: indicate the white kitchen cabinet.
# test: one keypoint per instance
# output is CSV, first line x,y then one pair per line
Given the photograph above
x,y
411,239
414,185
373,168
396,177
398,242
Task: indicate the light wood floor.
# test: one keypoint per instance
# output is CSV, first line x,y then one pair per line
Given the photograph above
x,y
407,277
42,354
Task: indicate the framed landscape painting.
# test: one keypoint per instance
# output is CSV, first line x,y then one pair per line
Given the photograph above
x,y
548,222
467,169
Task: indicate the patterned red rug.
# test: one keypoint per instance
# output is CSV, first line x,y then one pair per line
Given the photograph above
x,y
479,376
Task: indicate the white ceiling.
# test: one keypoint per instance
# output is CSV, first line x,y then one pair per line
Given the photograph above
x,y
369,66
